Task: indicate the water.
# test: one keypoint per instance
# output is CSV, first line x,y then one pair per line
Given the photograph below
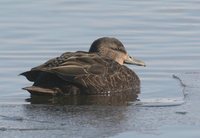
x,y
164,34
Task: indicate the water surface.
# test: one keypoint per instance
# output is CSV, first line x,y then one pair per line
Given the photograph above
x,y
165,34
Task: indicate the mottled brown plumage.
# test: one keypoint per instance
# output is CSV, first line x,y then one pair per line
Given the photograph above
x,y
99,71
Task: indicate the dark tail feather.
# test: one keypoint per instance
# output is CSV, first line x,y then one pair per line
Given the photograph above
x,y
31,75
23,73
34,90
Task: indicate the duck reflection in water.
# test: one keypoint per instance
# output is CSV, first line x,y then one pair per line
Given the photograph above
x,y
117,99
98,72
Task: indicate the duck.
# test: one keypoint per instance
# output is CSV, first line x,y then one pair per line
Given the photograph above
x,y
100,71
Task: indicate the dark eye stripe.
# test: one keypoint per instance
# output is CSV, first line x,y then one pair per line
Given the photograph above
x,y
119,49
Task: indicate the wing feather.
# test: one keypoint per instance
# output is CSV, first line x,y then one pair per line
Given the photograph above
x,y
69,65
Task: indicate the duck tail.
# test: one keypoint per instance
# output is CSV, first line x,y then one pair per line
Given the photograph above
x,y
35,90
31,75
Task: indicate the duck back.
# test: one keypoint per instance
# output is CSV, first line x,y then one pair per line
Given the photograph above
x,y
75,73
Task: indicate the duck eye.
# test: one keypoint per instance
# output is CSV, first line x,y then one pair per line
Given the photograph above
x,y
118,49
115,49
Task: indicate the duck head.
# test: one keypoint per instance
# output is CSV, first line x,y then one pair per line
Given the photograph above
x,y
114,49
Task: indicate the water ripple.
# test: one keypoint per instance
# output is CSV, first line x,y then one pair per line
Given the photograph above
x,y
165,34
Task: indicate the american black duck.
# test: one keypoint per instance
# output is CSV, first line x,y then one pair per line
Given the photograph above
x,y
97,72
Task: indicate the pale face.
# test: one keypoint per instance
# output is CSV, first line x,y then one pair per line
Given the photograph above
x,y
112,48
120,58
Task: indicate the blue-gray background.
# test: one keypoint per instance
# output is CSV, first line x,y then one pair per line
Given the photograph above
x,y
165,34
